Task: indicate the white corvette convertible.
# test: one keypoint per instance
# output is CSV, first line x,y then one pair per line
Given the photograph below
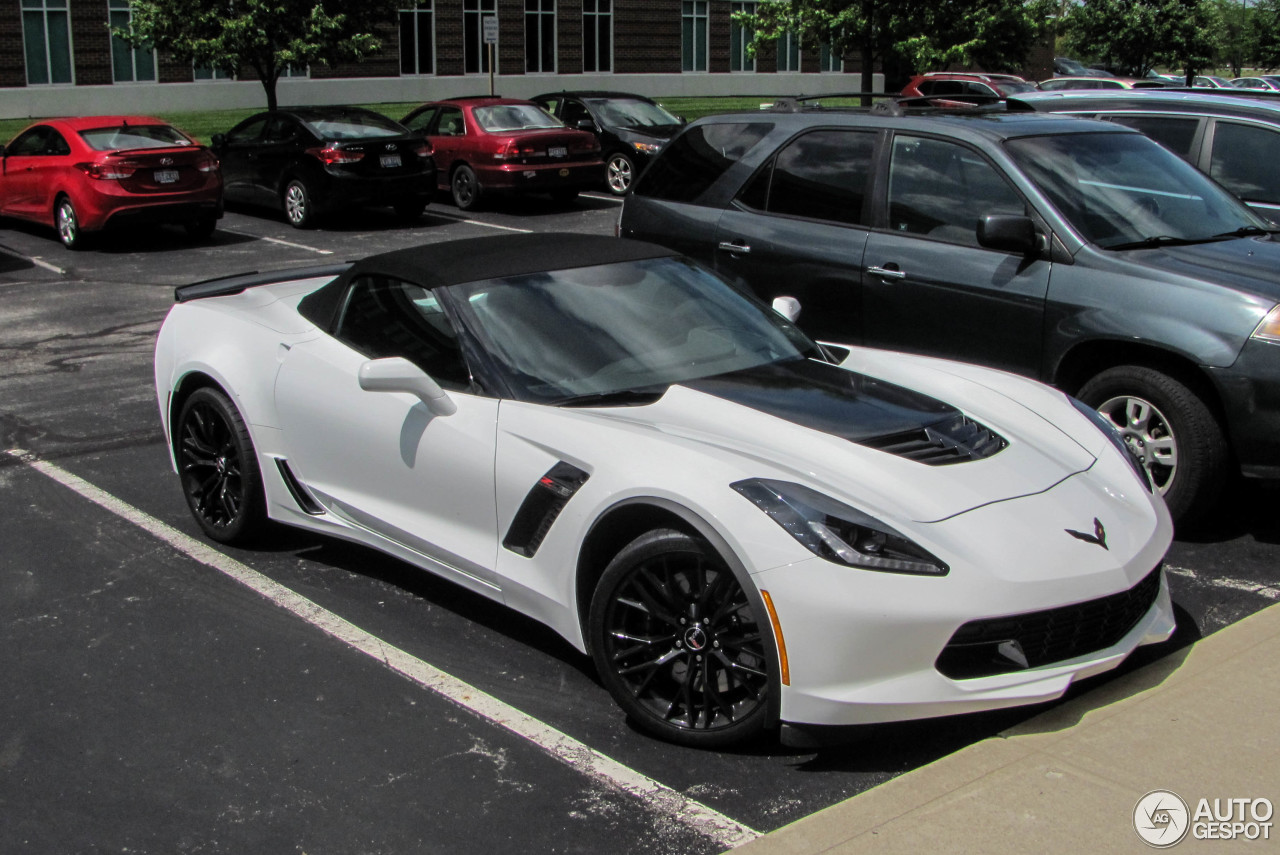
x,y
743,528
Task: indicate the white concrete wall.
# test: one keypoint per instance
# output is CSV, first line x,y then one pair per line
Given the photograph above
x,y
146,98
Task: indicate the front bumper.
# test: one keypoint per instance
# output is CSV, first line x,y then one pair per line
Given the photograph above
x,y
1251,398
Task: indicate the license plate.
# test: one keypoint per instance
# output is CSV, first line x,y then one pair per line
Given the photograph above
x,y
166,176
390,161
557,151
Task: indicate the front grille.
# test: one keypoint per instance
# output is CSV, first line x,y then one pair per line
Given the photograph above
x,y
982,648
954,441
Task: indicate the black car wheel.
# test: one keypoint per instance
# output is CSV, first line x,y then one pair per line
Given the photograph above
x,y
466,188
1171,429
218,468
619,172
677,642
299,208
68,224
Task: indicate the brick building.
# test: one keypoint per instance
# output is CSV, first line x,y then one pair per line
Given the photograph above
x,y
58,56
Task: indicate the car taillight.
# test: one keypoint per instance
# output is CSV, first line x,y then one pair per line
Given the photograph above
x,y
206,162
423,150
106,171
512,150
330,155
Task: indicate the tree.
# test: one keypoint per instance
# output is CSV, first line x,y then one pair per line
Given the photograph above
x,y
1266,31
265,35
921,34
1138,35
1238,43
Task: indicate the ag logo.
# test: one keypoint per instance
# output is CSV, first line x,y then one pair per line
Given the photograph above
x,y
1161,819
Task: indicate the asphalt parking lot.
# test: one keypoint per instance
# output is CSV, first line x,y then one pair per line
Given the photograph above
x,y
167,697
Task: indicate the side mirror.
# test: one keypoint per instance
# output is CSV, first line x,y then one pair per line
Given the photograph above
x,y
587,125
218,140
397,374
1008,233
788,307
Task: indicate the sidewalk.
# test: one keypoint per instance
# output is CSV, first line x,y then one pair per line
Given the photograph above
x,y
1203,722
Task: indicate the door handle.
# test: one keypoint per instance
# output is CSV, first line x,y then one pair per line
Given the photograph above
x,y
887,272
733,246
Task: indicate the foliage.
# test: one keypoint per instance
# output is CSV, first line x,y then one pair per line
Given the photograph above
x,y
1265,26
267,36
1134,36
1238,39
916,34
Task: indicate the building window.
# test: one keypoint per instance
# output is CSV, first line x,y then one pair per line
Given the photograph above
x,y
828,60
788,52
539,35
417,39
475,58
694,35
597,35
46,33
128,64
208,72
740,39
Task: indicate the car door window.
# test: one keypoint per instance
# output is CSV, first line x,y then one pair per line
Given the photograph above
x,y
421,120
573,113
250,131
31,142
820,175
448,123
280,129
695,160
1244,161
941,189
385,317
1176,133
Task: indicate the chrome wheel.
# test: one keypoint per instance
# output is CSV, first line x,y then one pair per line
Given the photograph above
x,y
618,173
677,642
1146,430
297,204
68,224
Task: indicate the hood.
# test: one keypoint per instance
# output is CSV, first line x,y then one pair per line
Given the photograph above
x,y
875,445
1246,264
655,133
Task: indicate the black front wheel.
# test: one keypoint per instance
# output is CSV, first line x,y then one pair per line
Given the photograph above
x,y
678,644
219,468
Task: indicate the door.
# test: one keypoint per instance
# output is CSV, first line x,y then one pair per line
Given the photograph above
x,y
798,229
928,287
29,175
382,460
281,146
239,157
444,128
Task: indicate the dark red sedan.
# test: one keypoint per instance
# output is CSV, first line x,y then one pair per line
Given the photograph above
x,y
484,145
80,175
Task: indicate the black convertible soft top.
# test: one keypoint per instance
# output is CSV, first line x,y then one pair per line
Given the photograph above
x,y
475,260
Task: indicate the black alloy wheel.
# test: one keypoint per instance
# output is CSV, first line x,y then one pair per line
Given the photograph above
x,y
219,468
678,644
466,188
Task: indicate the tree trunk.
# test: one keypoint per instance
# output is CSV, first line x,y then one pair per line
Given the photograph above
x,y
868,74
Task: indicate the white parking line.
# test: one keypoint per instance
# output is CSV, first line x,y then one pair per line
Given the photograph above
x,y
461,219
46,265
281,242
602,768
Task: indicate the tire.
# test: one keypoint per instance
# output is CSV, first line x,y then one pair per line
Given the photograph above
x,y
1173,431
465,188
619,172
219,468
201,228
409,210
298,204
644,633
67,222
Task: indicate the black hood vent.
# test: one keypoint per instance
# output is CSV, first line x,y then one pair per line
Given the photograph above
x,y
956,440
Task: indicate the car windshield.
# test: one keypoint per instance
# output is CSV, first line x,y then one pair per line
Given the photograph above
x,y
1121,191
622,328
354,126
1071,66
514,117
632,113
127,137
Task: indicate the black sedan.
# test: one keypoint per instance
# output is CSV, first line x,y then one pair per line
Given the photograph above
x,y
308,160
631,128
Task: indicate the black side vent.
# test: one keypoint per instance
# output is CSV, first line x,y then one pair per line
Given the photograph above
x,y
541,507
300,495
954,441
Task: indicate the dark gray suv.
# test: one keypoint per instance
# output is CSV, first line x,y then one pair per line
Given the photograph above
x,y
1075,251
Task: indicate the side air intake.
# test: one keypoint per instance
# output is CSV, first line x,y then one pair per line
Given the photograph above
x,y
956,440
541,506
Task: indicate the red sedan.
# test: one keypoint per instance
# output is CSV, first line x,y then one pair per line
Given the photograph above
x,y
487,144
80,175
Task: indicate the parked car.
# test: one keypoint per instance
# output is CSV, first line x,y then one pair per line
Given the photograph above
x,y
965,83
1232,137
1055,84
1209,81
1067,67
1078,252
81,175
631,128
488,145
741,527
1266,81
306,161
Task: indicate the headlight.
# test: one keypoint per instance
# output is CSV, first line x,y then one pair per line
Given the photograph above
x,y
1113,433
1269,329
837,532
646,147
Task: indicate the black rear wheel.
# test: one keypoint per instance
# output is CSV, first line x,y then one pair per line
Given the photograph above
x,y
219,468
678,644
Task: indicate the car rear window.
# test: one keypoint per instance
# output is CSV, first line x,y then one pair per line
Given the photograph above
x,y
126,137
355,127
696,159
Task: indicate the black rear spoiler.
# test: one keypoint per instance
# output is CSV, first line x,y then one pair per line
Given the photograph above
x,y
225,285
